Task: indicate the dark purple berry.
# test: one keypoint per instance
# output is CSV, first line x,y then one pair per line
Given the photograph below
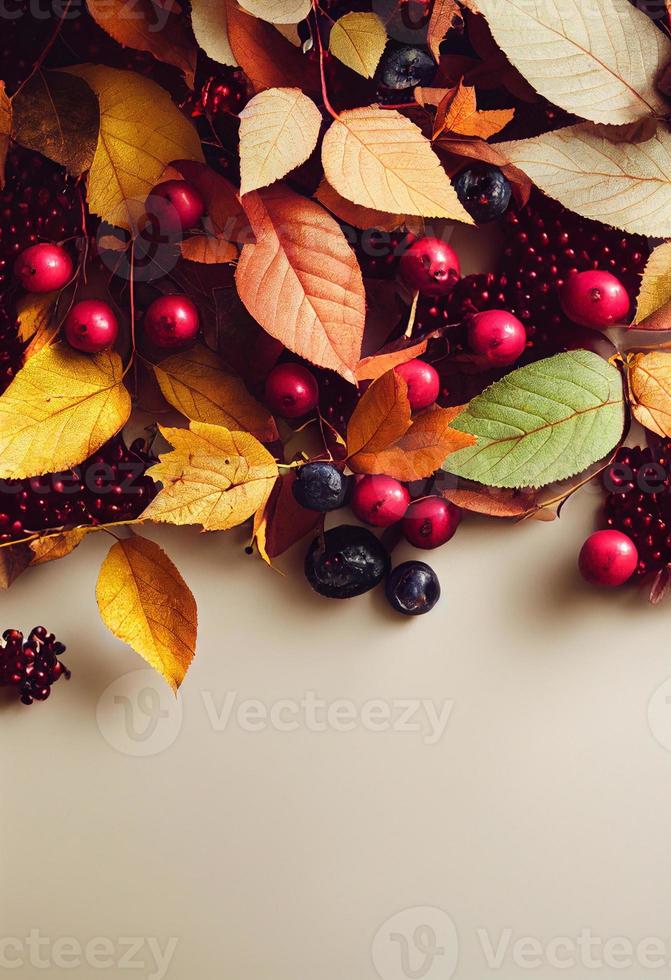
x,y
320,486
484,192
413,588
348,562
406,67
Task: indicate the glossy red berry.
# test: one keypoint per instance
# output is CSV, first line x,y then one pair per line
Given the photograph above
x,y
171,321
43,268
430,266
423,383
497,336
184,198
291,391
91,326
608,558
379,500
430,522
595,299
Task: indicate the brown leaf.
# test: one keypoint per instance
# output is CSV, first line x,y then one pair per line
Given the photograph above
x,y
401,351
282,521
225,216
266,57
14,560
55,546
649,390
443,16
5,130
354,214
460,114
156,26
301,280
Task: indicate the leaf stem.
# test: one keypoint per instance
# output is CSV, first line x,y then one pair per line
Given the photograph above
x,y
47,48
325,95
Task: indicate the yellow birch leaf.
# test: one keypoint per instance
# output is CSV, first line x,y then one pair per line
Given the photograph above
x,y
358,40
141,132
56,546
5,130
279,129
379,159
60,408
34,312
210,25
196,384
278,11
145,602
655,291
649,388
213,477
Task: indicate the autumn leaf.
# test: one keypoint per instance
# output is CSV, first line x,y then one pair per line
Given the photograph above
x,y
266,57
208,249
492,501
301,280
278,11
461,115
145,602
213,477
443,16
653,305
279,129
358,40
55,546
354,214
620,184
281,522
399,352
60,408
34,312
196,384
596,59
13,561
379,159
209,19
156,26
141,132
225,216
649,390
381,416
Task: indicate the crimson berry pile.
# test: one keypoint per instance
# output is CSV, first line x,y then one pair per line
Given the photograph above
x,y
31,666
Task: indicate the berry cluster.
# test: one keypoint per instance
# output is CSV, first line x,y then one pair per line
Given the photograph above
x,y
32,666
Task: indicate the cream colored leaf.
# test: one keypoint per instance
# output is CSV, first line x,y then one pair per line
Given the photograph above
x,y
210,25
379,159
596,58
5,130
60,408
141,132
145,602
354,214
278,131
278,11
624,185
213,477
655,292
358,40
649,390
55,546
196,384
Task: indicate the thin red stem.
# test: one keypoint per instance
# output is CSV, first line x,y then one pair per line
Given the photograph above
x,y
47,48
325,95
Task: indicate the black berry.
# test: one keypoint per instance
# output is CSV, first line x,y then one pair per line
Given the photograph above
x,y
413,588
349,562
406,67
320,486
484,192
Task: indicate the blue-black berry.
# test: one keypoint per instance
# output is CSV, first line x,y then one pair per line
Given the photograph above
x,y
413,588
406,67
484,192
320,486
349,562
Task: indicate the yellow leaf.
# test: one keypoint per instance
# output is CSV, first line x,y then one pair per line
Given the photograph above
x,y
655,292
145,602
56,546
278,11
379,159
60,408
279,129
627,185
5,130
595,58
358,40
464,117
649,389
208,249
141,132
210,25
196,384
34,312
213,477
354,214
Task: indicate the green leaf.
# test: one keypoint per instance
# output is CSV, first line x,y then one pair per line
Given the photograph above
x,y
544,422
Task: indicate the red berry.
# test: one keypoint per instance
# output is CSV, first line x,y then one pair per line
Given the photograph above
x,y
430,266
171,321
608,558
42,268
291,391
430,522
184,198
423,383
91,326
594,299
497,336
379,500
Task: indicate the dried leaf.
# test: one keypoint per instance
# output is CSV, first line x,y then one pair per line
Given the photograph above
x,y
213,477
55,546
379,159
461,115
60,408
278,11
145,602
267,58
225,217
443,17
141,131
5,130
301,280
208,249
209,19
624,185
492,501
13,561
610,47
400,352
282,521
654,297
156,26
358,40
195,383
279,129
649,390
354,214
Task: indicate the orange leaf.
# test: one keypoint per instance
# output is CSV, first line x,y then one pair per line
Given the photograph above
x,y
266,57
371,368
301,280
462,116
208,249
493,501
380,418
443,16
